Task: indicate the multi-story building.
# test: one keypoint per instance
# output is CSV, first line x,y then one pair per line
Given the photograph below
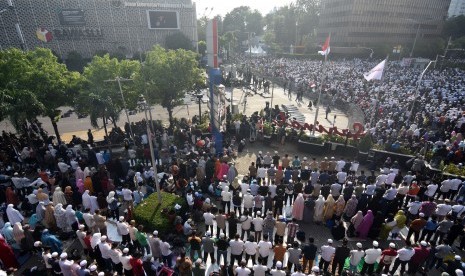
x,y
373,22
89,26
457,7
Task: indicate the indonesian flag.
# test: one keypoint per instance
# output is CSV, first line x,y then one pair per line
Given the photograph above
x,y
376,73
325,48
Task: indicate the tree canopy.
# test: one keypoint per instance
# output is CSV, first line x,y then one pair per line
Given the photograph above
x,y
100,96
168,75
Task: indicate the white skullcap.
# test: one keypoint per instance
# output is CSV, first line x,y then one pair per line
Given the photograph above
x,y
93,268
82,226
103,238
423,243
375,243
315,269
330,241
155,233
359,245
279,264
63,255
121,218
37,244
457,257
392,245
126,250
83,263
55,254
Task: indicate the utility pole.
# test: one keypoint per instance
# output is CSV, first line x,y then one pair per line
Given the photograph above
x,y
119,80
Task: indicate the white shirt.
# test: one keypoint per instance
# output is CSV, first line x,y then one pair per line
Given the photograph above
x,y
276,272
390,178
261,172
431,189
442,209
414,207
381,179
458,208
127,194
208,218
105,250
165,248
258,224
455,184
259,270
372,255
226,196
340,165
244,188
264,248
125,262
405,254
341,177
115,255
248,201
250,247
236,247
390,194
356,256
445,186
370,189
123,228
242,271
327,252
245,222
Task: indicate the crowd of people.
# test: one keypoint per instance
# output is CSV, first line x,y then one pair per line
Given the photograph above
x,y
240,222
435,121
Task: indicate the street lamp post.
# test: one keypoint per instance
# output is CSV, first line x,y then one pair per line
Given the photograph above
x,y
199,96
143,103
417,89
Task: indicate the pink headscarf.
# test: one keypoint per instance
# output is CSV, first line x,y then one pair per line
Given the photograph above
x,y
80,186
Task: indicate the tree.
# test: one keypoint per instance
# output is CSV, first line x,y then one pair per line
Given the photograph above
x,y
75,61
202,47
19,103
101,99
167,75
52,83
242,20
454,27
178,40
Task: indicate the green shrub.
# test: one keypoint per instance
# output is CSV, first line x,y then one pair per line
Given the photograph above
x,y
154,216
365,143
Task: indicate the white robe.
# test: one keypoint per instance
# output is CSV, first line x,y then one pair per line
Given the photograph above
x,y
319,208
14,215
86,201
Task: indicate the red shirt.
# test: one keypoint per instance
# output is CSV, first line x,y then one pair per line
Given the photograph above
x,y
388,255
421,253
137,268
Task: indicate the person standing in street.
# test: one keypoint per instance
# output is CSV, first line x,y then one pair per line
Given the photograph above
x,y
403,257
327,253
340,256
371,256
309,251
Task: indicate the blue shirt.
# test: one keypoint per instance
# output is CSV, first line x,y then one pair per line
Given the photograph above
x,y
431,225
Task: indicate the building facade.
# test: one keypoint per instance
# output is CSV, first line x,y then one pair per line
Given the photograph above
x,y
457,7
89,26
361,23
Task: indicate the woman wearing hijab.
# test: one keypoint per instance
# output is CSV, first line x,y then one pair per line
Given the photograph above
x,y
7,232
86,200
298,207
69,195
11,197
49,218
40,211
351,208
88,184
365,225
18,233
112,205
78,174
329,208
71,219
400,219
42,196
309,210
51,241
58,197
7,256
377,225
13,215
60,217
339,207
319,209
354,224
80,186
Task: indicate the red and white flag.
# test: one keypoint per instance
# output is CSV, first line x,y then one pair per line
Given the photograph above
x,y
325,48
376,73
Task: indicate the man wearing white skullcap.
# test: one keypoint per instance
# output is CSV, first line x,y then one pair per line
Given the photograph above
x,y
422,253
371,256
83,270
403,257
65,265
356,256
327,253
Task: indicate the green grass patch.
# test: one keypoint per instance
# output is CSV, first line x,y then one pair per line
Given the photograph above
x,y
156,216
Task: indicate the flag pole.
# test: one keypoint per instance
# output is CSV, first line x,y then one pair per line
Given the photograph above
x,y
323,73
377,94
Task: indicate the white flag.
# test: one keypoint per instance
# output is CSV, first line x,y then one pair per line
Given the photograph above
x,y
376,73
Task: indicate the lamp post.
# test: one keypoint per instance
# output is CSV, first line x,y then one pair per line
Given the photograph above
x,y
199,96
417,89
119,80
143,104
